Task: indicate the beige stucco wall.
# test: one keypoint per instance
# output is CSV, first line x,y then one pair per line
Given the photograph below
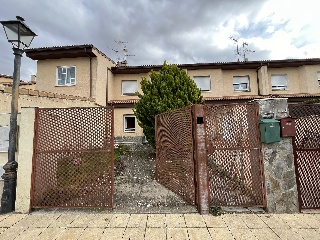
x,y
47,74
227,79
103,72
215,78
118,123
117,89
25,154
308,79
300,79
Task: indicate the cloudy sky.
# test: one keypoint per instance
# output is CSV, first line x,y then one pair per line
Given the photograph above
x,y
188,31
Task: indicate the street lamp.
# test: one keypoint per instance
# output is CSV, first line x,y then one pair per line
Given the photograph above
x,y
21,36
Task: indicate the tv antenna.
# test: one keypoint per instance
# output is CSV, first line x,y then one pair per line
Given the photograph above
x,y
241,51
122,50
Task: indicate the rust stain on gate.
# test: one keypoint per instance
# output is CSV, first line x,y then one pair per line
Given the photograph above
x,y
174,143
211,155
73,158
306,150
235,164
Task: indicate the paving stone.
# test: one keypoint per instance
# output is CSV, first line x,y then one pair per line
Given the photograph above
x,y
113,233
290,234
194,220
198,234
309,219
91,234
308,233
243,234
137,220
156,234
70,233
273,221
214,221
234,221
81,221
220,233
156,220
100,220
177,233
12,219
134,233
264,233
50,233
119,220
12,233
175,220
63,220
293,221
31,233
253,221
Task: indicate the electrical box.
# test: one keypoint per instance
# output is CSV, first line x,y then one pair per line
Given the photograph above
x,y
270,130
288,127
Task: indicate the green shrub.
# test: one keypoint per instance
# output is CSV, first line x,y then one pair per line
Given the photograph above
x,y
169,89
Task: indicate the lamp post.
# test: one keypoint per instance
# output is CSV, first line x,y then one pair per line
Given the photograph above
x,y
21,36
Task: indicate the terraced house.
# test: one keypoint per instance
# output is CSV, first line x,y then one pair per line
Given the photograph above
x,y
83,70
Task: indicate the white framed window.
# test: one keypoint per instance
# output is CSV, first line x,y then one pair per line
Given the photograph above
x,y
129,123
203,82
279,82
66,76
318,73
241,83
129,87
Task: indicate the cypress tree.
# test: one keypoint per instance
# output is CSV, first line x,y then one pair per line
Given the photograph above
x,y
169,89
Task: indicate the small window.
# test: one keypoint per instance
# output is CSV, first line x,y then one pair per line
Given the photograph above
x,y
279,82
203,82
129,123
129,87
241,83
66,76
318,79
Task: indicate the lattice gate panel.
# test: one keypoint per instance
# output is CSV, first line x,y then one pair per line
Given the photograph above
x,y
73,158
174,162
307,160
234,155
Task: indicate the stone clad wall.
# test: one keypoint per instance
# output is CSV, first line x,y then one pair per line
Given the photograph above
x,y
279,169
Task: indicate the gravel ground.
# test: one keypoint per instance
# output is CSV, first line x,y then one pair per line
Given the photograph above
x,y
137,191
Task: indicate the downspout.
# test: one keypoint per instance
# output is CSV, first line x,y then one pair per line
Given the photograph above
x,y
90,59
258,78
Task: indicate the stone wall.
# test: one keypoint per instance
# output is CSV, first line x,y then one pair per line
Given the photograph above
x,y
279,169
280,178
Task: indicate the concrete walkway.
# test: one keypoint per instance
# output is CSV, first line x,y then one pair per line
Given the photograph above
x,y
82,225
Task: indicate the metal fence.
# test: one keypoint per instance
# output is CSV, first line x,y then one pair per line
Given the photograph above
x,y
174,148
73,158
307,153
211,155
235,163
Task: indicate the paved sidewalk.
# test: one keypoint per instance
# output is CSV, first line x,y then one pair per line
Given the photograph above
x,y
82,225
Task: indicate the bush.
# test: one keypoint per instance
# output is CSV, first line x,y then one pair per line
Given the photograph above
x,y
169,89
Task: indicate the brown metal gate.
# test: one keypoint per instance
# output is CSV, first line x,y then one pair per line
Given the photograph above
x,y
174,143
73,158
307,154
235,162
211,153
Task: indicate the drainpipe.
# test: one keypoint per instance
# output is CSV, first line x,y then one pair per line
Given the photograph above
x,y
90,59
258,78
108,69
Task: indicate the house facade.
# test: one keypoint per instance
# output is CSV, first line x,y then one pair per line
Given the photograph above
x,y
85,71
